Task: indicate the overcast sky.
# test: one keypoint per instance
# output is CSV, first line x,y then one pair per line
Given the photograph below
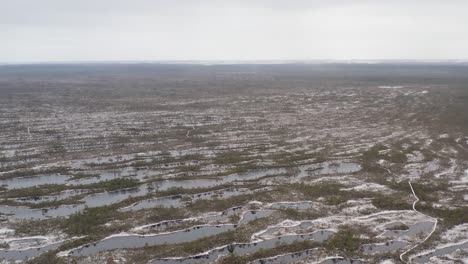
x,y
84,30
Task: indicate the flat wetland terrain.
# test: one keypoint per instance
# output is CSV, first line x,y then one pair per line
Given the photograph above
x,y
286,163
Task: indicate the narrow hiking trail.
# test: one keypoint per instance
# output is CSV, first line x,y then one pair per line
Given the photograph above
x,y
188,132
429,235
416,211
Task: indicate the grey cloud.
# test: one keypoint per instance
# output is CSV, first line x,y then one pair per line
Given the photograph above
x,y
55,30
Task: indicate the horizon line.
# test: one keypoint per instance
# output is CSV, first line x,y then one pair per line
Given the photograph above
x,y
240,62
